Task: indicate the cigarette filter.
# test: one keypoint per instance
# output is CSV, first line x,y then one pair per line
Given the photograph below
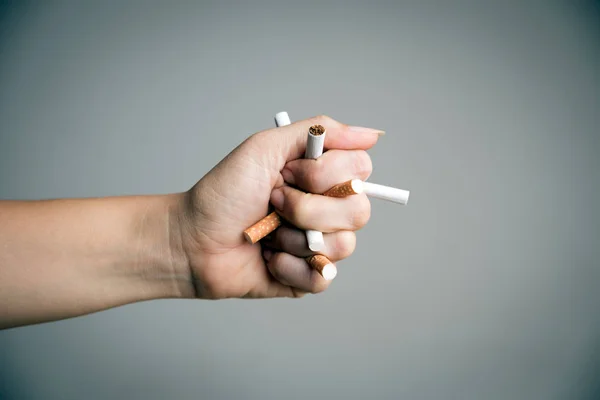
x,y
262,228
348,188
322,264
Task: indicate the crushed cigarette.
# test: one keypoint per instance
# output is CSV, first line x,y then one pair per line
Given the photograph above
x,y
386,193
354,186
315,142
348,188
262,228
282,119
314,149
322,264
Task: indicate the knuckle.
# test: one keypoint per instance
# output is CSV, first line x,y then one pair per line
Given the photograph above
x,y
315,174
363,163
362,213
324,120
299,208
280,236
345,244
275,266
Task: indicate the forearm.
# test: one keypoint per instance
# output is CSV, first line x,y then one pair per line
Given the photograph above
x,y
63,258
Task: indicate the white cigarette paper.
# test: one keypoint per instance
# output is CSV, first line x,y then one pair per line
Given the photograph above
x,y
282,119
315,142
314,149
327,269
386,193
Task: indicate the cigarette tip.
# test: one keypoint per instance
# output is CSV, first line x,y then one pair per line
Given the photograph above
x,y
316,130
329,272
282,119
357,185
316,245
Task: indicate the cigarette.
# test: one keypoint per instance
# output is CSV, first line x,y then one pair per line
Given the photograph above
x,y
386,193
348,188
322,264
314,149
314,144
282,119
272,221
354,186
262,228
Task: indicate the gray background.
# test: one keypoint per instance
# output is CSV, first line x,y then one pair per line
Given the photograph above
x,y
484,287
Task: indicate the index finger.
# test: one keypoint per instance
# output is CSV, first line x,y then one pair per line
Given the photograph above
x,y
339,135
290,140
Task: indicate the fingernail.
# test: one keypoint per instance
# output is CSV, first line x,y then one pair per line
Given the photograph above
x,y
267,254
277,198
288,176
360,129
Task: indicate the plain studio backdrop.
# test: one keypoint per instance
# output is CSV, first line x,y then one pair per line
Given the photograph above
x,y
484,287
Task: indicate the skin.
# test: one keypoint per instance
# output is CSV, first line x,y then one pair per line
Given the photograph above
x,y
70,257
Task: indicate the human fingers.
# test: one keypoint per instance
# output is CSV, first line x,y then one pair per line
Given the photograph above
x,y
338,245
333,167
321,213
297,273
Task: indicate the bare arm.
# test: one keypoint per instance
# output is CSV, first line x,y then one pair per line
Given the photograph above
x,y
63,258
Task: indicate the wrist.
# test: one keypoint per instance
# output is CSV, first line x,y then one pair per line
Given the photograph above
x,y
164,258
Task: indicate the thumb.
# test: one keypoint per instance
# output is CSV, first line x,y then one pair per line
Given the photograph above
x,y
280,145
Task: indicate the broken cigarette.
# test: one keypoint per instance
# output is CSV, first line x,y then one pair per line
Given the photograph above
x,y
315,142
386,193
356,186
322,264
314,150
282,119
348,188
262,228
268,224
315,240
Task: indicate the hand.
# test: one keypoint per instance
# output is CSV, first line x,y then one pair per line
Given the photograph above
x,y
268,167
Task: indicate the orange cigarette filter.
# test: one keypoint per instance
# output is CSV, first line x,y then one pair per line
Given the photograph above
x,y
348,188
323,266
262,228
